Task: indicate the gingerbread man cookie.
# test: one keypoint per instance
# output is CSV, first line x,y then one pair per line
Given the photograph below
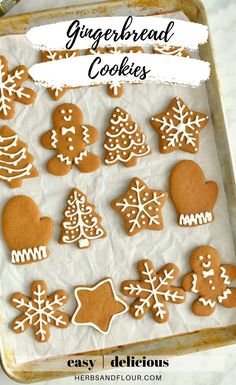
x,y
140,207
192,196
98,305
153,291
69,138
12,90
56,93
179,127
210,280
16,163
40,311
124,141
26,233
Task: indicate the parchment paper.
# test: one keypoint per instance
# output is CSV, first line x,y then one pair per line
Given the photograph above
x,y
117,254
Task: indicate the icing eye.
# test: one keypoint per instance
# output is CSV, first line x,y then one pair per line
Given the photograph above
x,y
200,257
209,256
70,111
62,111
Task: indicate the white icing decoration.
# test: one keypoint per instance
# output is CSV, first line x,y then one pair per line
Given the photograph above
x,y
195,219
77,215
184,131
65,159
169,50
15,159
206,264
29,255
208,273
225,295
116,298
85,134
54,139
154,290
207,302
140,207
65,130
194,284
82,155
114,87
8,87
224,275
67,118
39,312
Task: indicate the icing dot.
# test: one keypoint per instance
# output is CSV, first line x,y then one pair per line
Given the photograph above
x,y
112,127
140,151
213,288
168,113
164,148
156,209
134,200
200,257
133,212
130,136
195,149
191,112
110,140
123,136
62,111
146,194
71,148
143,222
144,199
180,144
142,216
128,215
69,139
197,131
70,111
125,142
210,281
116,140
149,208
130,197
163,136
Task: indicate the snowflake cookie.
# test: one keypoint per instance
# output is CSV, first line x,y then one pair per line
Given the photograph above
x,y
170,50
56,93
98,305
210,280
40,311
25,231
153,290
11,89
140,207
69,138
124,141
81,223
179,127
192,196
16,163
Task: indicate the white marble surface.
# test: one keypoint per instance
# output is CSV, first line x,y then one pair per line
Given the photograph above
x,y
222,20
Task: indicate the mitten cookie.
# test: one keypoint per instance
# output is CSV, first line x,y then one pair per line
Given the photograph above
x,y
179,127
26,233
210,280
40,311
56,93
98,305
124,141
153,291
140,207
69,138
15,160
192,196
12,90
81,223
170,50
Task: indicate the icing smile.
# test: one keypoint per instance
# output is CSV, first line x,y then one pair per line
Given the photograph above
x,y
67,118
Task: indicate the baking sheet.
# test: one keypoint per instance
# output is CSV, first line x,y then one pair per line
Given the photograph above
x,y
116,255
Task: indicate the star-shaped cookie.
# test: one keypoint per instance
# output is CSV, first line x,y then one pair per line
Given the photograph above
x,y
98,305
140,207
179,127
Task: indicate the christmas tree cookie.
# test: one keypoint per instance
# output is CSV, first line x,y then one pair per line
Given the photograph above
x,y
81,223
124,140
12,90
16,163
179,127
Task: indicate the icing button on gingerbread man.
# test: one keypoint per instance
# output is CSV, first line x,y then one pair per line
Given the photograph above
x,y
210,280
69,138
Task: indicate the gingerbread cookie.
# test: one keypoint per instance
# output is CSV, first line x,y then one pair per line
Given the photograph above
x,y
12,90
140,207
124,141
210,280
153,291
170,50
69,138
192,196
26,233
56,93
40,311
15,160
98,305
179,127
81,223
